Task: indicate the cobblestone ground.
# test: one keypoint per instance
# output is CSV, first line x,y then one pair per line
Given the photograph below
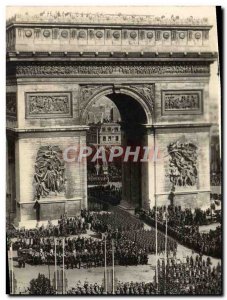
x,y
131,273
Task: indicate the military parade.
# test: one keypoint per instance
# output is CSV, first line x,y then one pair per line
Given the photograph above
x,y
68,245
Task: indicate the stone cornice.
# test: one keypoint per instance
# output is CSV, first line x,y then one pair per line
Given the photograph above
x,y
46,129
111,56
46,17
177,125
54,37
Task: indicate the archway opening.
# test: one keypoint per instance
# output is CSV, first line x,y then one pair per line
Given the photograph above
x,y
118,120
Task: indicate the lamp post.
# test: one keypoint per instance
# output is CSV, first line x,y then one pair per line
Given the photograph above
x,y
97,166
105,265
63,266
55,266
113,264
166,250
156,244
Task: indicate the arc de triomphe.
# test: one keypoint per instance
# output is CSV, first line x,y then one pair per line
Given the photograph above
x,y
157,73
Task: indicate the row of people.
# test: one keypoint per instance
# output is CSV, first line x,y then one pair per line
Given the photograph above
x,y
122,288
146,239
66,226
116,219
80,251
209,243
195,276
97,179
120,225
215,196
180,217
106,193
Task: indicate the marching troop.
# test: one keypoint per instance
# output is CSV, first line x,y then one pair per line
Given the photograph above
x,y
194,276
80,252
183,226
118,231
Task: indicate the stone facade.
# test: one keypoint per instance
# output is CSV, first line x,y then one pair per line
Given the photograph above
x,y
161,74
121,33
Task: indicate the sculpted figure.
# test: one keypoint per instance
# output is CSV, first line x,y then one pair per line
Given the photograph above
x,y
182,166
49,176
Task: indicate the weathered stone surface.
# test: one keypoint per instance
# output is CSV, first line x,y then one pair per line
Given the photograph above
x,y
54,74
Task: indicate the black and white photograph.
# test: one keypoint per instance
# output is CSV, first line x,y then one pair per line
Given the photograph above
x,y
113,151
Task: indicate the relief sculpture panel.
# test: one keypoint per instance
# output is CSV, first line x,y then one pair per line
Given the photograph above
x,y
182,102
11,105
182,163
49,177
48,105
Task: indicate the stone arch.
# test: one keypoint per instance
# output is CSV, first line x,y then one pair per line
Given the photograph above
x,y
135,104
142,94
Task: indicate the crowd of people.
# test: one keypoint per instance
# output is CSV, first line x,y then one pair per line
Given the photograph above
x,y
112,173
107,193
209,243
194,276
183,225
117,219
215,196
99,180
182,217
132,243
122,288
97,205
146,240
79,252
215,179
120,225
86,289
66,226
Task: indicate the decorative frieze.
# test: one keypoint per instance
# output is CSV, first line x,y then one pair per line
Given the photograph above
x,y
107,36
56,69
182,163
48,105
11,105
182,102
100,18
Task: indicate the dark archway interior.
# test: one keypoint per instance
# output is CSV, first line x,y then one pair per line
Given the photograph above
x,y
130,110
133,118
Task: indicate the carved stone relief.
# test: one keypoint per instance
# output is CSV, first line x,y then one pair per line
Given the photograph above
x,y
182,102
111,69
182,163
145,91
49,176
80,18
109,36
11,105
48,105
88,91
